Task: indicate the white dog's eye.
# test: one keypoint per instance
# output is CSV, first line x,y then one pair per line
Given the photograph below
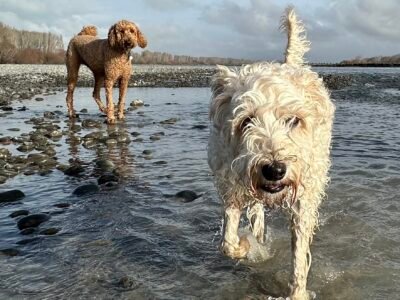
x,y
244,123
292,122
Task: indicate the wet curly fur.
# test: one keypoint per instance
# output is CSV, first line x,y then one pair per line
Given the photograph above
x,y
109,61
269,146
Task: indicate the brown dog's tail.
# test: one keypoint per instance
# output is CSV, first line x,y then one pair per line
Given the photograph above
x,y
88,30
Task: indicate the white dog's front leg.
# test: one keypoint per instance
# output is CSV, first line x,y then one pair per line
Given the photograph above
x,y
303,222
231,245
255,214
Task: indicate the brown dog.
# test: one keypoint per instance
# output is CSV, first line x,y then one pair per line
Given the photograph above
x,y
109,61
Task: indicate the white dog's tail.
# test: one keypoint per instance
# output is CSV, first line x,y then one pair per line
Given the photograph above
x,y
297,44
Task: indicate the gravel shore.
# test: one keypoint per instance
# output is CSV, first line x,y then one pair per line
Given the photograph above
x,y
26,81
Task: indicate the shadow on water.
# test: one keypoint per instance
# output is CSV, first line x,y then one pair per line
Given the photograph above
x,y
128,239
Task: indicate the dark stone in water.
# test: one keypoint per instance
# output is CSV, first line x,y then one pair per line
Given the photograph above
x,y
169,121
21,212
147,152
135,133
187,196
11,196
86,189
127,282
6,108
201,127
49,231
28,241
32,221
84,110
107,178
39,99
62,205
5,140
27,231
105,164
111,185
74,170
160,162
4,153
88,123
10,252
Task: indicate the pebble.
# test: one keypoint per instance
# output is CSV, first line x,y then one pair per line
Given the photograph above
x,y
74,170
105,164
107,178
160,162
134,134
201,127
187,196
136,103
62,205
147,152
10,252
11,196
21,212
49,231
86,189
27,231
32,221
169,121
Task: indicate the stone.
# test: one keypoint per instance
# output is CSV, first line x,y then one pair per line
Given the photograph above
x,y
107,178
21,212
49,231
187,196
170,121
86,189
11,196
10,252
74,170
33,220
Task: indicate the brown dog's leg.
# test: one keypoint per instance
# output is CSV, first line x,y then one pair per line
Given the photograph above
x,y
110,104
123,86
98,83
232,245
303,223
73,65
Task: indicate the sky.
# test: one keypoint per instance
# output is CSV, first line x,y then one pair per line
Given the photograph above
x,y
337,29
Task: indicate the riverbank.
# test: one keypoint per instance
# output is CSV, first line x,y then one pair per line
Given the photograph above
x,y
26,81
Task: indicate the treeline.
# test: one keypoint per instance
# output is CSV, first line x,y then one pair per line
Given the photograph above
x,y
30,47
162,58
377,60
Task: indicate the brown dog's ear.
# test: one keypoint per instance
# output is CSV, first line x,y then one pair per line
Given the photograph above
x,y
112,36
142,41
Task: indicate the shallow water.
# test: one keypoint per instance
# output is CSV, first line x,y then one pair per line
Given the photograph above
x,y
167,249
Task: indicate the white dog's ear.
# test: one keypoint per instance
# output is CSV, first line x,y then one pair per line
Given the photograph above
x,y
221,87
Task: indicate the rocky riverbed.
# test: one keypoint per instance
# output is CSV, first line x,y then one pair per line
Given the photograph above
x,y
26,81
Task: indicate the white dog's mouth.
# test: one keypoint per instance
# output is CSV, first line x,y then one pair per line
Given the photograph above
x,y
273,188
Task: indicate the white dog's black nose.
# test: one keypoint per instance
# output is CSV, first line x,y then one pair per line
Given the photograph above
x,y
274,171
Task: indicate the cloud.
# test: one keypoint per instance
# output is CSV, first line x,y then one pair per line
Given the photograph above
x,y
170,5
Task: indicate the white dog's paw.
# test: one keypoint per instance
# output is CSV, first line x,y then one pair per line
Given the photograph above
x,y
238,251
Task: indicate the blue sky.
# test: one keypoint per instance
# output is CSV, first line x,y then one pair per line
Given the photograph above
x,y
338,29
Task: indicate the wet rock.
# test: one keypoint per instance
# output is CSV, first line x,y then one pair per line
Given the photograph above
x,y
89,123
28,241
54,134
49,115
13,129
136,103
11,196
111,142
138,140
33,220
27,231
39,99
105,164
86,189
134,134
84,110
49,231
62,205
5,140
155,137
200,127
111,185
23,108
6,108
127,282
21,212
4,153
26,147
107,178
10,252
74,170
160,162
147,152
169,121
186,196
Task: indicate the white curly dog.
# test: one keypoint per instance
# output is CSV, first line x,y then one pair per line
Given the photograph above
x,y
269,146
